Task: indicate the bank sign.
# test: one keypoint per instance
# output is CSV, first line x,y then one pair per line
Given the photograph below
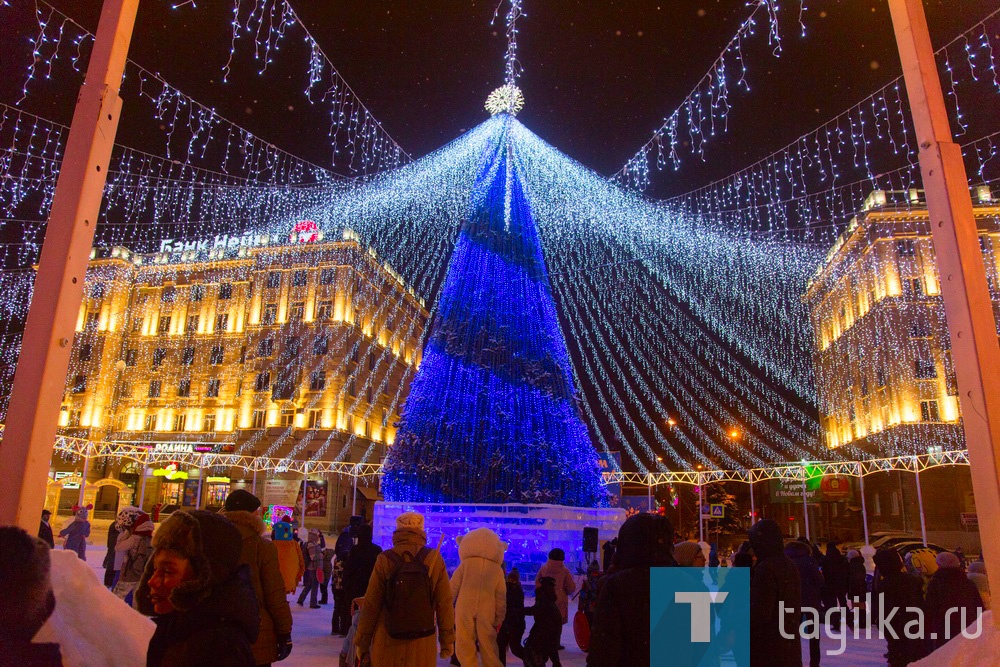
x,y
819,488
303,231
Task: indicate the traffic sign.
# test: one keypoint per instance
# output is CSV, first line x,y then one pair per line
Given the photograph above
x,y
718,511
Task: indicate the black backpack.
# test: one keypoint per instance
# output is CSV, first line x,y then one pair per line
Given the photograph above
x,y
409,596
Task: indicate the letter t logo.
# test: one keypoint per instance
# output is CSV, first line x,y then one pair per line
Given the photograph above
x,y
701,608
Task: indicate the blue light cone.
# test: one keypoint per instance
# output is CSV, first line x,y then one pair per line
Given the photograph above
x,y
491,415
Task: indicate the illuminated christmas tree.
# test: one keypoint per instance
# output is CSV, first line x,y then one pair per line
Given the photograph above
x,y
491,415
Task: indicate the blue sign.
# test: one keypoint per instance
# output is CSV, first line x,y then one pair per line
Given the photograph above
x,y
691,622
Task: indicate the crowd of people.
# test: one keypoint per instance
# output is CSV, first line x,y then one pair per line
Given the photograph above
x,y
216,586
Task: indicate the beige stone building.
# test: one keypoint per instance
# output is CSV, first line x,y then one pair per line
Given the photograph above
x,y
262,346
884,373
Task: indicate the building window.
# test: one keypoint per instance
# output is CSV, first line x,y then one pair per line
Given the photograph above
x,y
270,314
906,248
97,291
180,422
324,311
184,388
257,420
93,319
925,369
315,419
320,346
164,325
225,291
159,354
878,503
213,388
913,288
297,311
929,411
273,280
292,347
287,418
920,328
369,395
154,389
222,322
187,356
894,503
317,381
79,384
197,292
864,386
85,352
192,324
217,355
265,347
149,423
284,387
131,355
352,388
371,362
74,418
327,276
169,294
880,377
299,279
208,423
263,382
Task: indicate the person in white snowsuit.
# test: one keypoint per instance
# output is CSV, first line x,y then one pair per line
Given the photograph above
x,y
480,595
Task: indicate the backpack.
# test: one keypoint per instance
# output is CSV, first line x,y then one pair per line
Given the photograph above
x,y
409,597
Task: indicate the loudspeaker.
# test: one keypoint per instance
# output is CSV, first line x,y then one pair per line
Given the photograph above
x,y
590,540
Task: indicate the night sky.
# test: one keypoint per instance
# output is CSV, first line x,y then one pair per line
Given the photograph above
x,y
598,76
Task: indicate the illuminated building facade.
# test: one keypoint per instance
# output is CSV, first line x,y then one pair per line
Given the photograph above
x,y
285,347
885,377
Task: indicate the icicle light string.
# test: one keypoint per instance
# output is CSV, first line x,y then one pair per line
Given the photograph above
x,y
370,148
705,110
842,148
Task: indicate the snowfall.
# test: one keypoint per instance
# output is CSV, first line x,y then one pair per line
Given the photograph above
x,y
96,629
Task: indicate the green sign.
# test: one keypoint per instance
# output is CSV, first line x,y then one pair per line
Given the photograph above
x,y
818,488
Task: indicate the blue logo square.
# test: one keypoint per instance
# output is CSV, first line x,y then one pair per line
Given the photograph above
x,y
698,614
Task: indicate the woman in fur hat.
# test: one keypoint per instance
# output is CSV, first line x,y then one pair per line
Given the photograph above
x,y
77,531
199,596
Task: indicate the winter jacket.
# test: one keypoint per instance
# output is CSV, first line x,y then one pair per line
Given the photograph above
x,y
216,632
76,533
514,621
328,553
312,554
21,653
134,550
261,556
774,581
290,562
620,633
112,560
372,635
810,578
899,591
359,566
836,574
857,584
564,584
45,534
949,588
480,595
547,628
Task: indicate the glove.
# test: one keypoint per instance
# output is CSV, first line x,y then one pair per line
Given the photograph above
x,y
447,651
284,646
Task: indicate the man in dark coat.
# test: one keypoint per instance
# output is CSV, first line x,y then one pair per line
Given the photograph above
x,y
896,591
109,557
949,589
620,636
45,530
810,582
360,564
837,576
775,600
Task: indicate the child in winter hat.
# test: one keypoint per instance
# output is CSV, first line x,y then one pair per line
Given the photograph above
x,y
410,521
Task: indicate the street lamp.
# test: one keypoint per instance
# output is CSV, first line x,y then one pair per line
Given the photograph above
x,y
671,421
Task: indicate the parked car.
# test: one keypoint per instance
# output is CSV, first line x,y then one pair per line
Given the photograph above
x,y
906,547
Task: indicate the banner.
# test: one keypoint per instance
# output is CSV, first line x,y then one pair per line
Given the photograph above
x,y
316,497
282,492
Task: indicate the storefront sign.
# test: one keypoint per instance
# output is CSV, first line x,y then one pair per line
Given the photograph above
x,y
281,491
220,241
829,488
173,448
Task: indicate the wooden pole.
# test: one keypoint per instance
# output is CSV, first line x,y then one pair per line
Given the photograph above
x,y
966,295
40,378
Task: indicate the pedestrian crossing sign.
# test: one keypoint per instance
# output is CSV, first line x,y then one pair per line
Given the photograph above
x,y
718,511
